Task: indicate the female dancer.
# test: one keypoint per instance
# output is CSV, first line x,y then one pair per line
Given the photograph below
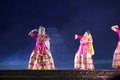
x,y
83,58
116,56
41,58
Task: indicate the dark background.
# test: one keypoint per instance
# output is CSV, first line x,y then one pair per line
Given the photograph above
x,y
69,17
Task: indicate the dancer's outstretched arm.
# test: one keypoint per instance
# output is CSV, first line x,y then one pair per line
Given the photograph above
x,y
78,36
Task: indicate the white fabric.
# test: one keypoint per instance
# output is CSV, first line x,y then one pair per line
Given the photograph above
x,y
47,43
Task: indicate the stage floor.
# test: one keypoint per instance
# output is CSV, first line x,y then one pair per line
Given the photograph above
x,y
59,74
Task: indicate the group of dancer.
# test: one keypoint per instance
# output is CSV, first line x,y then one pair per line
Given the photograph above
x,y
41,58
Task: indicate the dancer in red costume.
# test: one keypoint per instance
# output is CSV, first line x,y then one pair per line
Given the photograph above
x,y
83,57
41,58
116,56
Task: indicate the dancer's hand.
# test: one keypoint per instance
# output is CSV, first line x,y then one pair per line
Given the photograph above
x,y
114,28
76,36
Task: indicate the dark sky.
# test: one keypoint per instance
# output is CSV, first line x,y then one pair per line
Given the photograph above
x,y
18,17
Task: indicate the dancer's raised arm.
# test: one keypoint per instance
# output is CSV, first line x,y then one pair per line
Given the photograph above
x,y
34,30
115,28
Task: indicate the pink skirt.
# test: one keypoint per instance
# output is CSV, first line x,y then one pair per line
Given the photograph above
x,y
83,62
38,62
116,57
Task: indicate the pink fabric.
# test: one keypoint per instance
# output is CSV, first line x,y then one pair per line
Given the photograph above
x,y
79,37
31,64
34,35
81,48
34,58
82,45
39,45
118,32
49,64
84,63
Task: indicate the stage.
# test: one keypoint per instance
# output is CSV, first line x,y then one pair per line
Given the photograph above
x,y
59,74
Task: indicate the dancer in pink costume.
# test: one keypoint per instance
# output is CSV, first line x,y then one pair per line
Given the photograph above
x,y
116,56
83,57
41,58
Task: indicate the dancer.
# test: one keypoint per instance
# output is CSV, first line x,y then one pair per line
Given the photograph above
x,y
83,57
41,58
116,56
